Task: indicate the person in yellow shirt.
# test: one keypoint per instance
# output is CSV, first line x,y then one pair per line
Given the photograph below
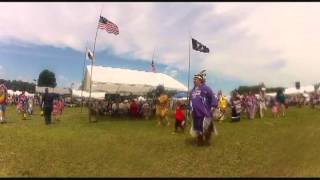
x,y
162,106
223,104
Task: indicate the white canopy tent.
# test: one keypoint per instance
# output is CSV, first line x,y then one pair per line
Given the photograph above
x,y
17,92
29,94
53,90
294,90
124,81
180,99
140,98
11,92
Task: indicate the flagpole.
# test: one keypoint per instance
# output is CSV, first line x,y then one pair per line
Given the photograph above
x,y
153,69
94,57
153,52
188,94
83,72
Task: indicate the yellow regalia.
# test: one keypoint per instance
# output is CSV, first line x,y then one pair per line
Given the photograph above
x,y
162,106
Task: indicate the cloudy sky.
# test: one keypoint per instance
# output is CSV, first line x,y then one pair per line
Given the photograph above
x,y
274,43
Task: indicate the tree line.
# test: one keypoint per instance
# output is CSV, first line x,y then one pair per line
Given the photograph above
x,y
19,85
256,89
46,79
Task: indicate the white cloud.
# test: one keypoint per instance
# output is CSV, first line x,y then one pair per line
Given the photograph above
x,y
272,42
63,81
61,77
170,71
275,43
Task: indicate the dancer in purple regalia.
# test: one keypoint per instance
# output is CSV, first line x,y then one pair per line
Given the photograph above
x,y
203,102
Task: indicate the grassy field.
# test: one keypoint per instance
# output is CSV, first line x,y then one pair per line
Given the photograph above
x,y
284,147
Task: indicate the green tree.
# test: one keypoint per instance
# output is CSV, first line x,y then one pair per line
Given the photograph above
x,y
274,89
47,78
160,88
246,89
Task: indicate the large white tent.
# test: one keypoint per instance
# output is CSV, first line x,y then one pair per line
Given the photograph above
x,y
125,81
94,95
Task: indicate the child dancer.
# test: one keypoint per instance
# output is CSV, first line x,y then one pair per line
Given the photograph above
x,y
180,118
56,110
23,105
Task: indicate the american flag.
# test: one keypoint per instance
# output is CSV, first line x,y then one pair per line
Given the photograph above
x,y
153,68
108,26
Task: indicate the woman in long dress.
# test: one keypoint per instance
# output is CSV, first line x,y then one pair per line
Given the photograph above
x,y
252,105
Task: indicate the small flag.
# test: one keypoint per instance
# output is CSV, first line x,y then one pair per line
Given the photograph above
x,y
108,26
196,45
89,55
153,67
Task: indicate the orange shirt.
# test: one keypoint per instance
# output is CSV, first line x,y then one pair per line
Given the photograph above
x,y
3,99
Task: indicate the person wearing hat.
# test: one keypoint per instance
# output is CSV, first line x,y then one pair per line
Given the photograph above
x,y
202,103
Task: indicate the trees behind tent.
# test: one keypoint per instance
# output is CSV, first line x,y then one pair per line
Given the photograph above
x,y
256,89
47,79
155,92
19,85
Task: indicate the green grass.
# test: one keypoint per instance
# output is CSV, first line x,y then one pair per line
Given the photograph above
x,y
284,147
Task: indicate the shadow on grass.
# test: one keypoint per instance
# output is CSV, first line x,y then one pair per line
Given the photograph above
x,y
7,122
190,141
120,118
